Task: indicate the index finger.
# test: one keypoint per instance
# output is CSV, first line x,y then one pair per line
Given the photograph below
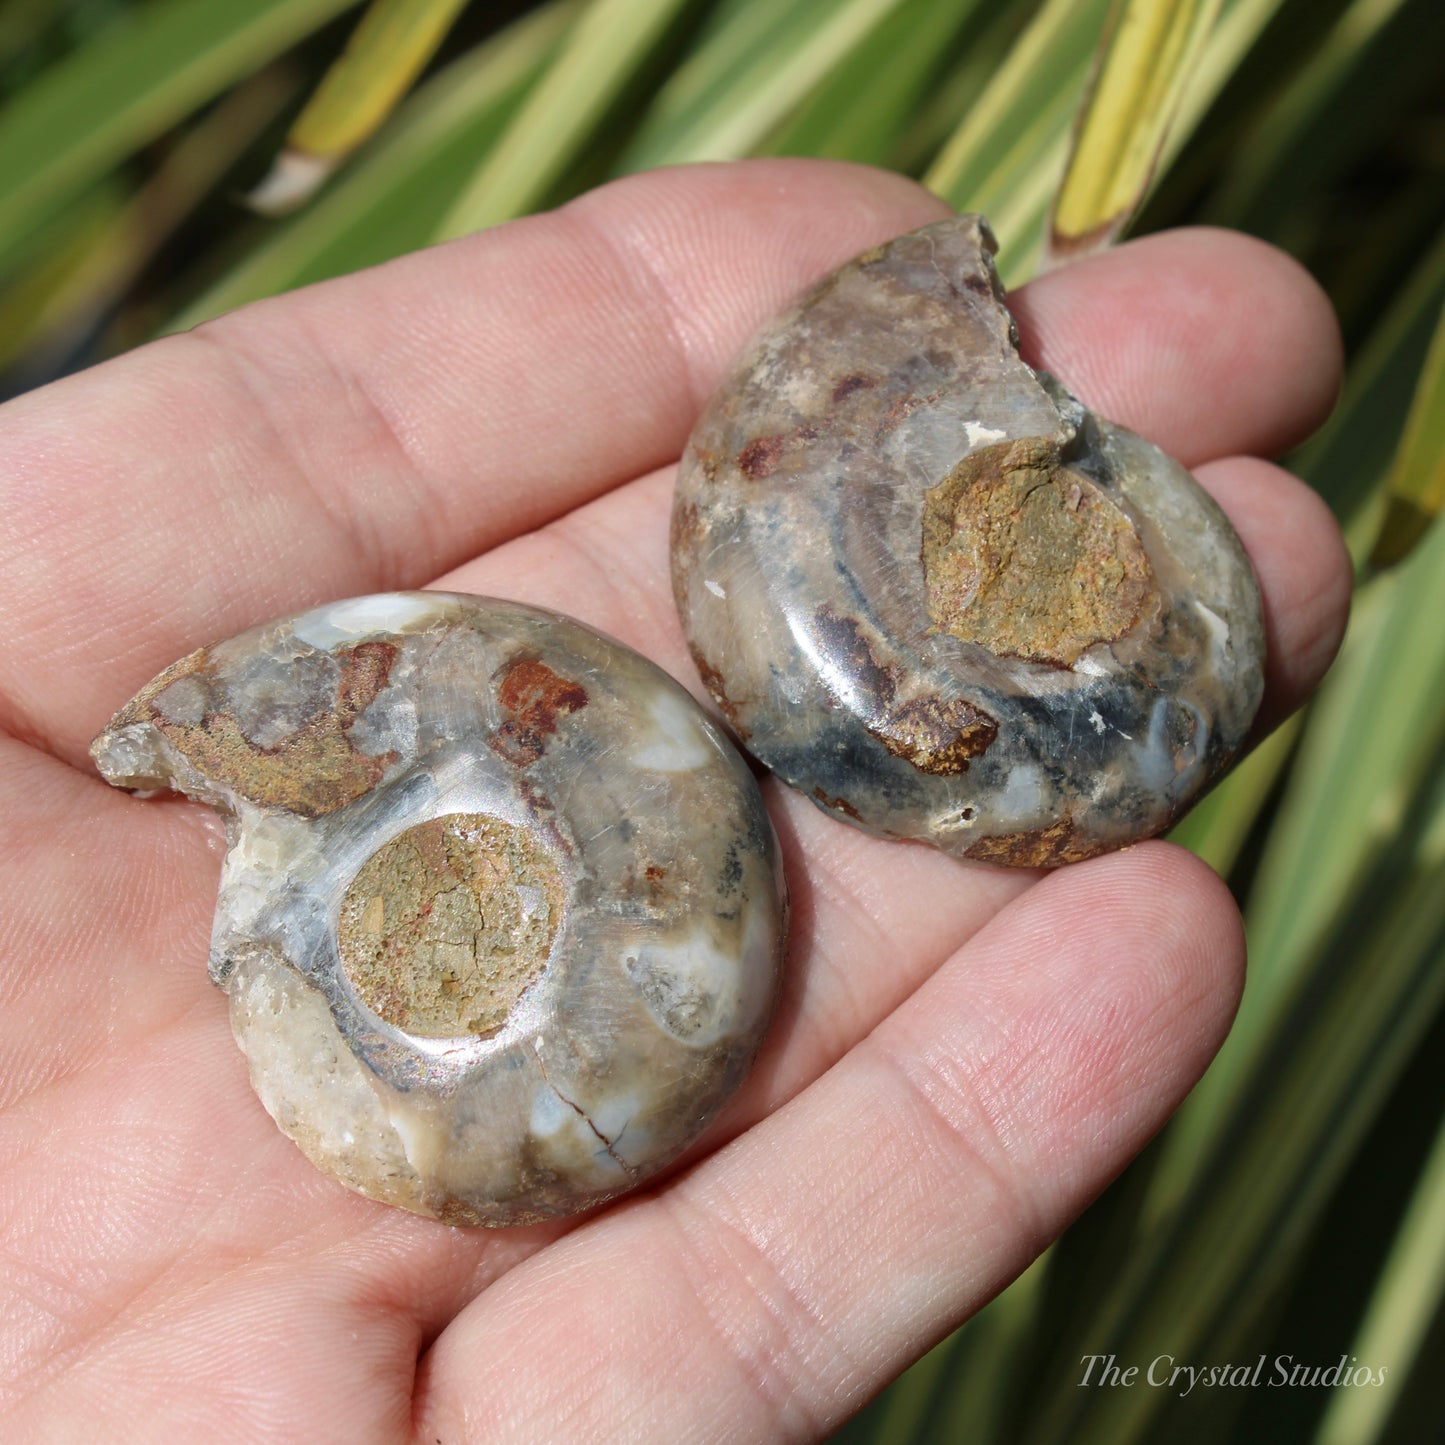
x,y
376,431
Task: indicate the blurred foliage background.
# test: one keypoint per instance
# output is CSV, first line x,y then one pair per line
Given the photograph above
x,y
1296,1205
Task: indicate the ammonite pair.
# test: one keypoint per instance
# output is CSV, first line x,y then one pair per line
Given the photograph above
x,y
501,917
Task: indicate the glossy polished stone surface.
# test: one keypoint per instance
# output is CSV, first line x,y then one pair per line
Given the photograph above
x,y
933,592
501,917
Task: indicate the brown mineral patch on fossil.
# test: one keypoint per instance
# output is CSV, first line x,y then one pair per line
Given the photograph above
x,y
935,735
459,1215
712,680
1029,559
849,384
311,772
686,530
365,669
764,455
656,885
850,654
899,412
534,697
446,926
837,805
759,458
544,814
1042,848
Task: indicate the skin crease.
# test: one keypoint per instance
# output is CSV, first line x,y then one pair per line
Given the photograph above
x,y
964,1057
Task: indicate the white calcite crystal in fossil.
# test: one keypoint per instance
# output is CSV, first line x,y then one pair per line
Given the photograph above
x,y
501,917
932,591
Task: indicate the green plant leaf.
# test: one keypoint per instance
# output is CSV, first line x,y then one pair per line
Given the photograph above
x,y
745,79
1348,460
1309,130
861,109
21,21
1396,1321
28,305
601,55
132,81
1234,34
1417,480
68,293
395,196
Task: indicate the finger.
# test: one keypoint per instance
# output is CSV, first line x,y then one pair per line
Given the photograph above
x,y
373,431
376,430
787,1278
1304,572
1207,342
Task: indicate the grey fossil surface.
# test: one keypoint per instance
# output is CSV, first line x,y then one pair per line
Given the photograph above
x,y
932,591
501,916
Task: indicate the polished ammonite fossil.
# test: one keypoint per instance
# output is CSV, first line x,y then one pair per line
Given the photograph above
x,y
501,916
932,591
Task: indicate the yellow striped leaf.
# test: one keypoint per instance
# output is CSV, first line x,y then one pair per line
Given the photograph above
x,y
387,51
1145,57
1005,155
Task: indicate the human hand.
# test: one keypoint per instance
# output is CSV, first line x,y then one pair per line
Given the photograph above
x,y
963,1057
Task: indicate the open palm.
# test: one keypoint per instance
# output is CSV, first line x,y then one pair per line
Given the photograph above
x,y
964,1056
